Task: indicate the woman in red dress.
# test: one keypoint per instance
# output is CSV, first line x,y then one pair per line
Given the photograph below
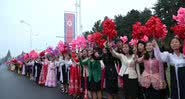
x,y
43,73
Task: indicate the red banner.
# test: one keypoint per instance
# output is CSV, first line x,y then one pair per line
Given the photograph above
x,y
69,27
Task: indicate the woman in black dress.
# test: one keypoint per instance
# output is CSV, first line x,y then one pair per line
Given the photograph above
x,y
38,64
111,75
140,52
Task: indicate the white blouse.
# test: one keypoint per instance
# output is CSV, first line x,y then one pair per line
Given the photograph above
x,y
128,65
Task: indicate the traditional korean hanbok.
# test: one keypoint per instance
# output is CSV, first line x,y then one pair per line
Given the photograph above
x,y
177,71
23,69
51,78
74,81
152,79
43,74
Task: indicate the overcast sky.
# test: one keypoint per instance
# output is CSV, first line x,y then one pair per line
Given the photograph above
x,y
46,18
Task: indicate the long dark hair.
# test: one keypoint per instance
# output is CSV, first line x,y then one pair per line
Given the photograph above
x,y
83,57
140,53
147,55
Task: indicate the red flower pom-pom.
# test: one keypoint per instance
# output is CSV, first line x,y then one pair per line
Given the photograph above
x,y
14,60
97,37
179,30
26,56
33,54
60,46
101,43
90,38
155,28
138,31
73,55
109,28
41,54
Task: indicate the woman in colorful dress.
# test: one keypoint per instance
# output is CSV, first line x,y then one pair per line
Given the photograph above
x,y
152,78
24,69
74,82
51,78
140,53
176,61
84,72
94,69
44,70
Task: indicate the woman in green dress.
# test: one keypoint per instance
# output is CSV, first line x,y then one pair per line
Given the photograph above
x,y
94,71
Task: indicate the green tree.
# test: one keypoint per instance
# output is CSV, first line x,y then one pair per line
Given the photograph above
x,y
6,58
123,23
86,33
119,24
132,17
97,26
145,15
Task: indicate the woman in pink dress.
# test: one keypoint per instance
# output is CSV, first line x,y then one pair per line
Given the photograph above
x,y
51,78
152,79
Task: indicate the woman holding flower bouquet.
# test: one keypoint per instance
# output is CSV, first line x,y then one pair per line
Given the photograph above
x,y
128,71
176,61
94,70
152,78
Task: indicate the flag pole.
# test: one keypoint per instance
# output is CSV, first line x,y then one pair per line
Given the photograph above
x,y
80,18
76,20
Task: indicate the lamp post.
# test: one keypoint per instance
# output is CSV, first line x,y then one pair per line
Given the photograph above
x,y
79,26
24,22
59,37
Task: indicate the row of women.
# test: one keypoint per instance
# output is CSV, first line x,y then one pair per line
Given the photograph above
x,y
140,71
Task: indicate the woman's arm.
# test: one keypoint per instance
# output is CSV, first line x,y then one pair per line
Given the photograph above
x,y
140,60
138,70
163,56
83,62
116,54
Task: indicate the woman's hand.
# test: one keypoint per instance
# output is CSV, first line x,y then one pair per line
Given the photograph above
x,y
163,84
136,58
139,79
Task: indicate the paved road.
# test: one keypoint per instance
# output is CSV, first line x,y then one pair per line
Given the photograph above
x,y
13,86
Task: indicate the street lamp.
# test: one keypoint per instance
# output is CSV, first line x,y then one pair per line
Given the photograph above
x,y
24,22
59,37
78,18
